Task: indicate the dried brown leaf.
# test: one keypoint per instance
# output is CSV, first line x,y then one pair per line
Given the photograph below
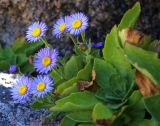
x,y
145,85
93,75
103,122
30,59
132,36
86,85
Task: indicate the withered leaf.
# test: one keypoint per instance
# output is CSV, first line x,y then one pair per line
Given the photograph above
x,y
93,75
132,36
30,59
103,122
145,85
82,85
86,85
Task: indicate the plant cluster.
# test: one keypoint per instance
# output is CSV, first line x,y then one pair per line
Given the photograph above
x,y
117,86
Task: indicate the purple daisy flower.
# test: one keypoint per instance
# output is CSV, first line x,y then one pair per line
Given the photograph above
x,y
77,23
97,44
36,31
22,89
42,85
45,60
12,68
59,27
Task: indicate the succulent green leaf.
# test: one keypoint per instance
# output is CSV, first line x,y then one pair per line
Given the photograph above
x,y
70,90
81,116
145,61
130,17
87,124
4,65
75,102
21,46
72,67
65,85
45,102
152,105
104,71
22,59
113,53
26,68
67,122
101,112
147,122
58,76
129,116
86,72
135,97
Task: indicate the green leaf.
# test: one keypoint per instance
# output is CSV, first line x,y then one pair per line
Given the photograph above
x,y
75,102
80,116
30,48
9,55
116,91
113,53
147,122
39,104
136,99
72,67
22,59
145,61
87,124
152,105
4,65
21,46
114,88
57,76
129,116
101,112
18,43
70,90
65,85
104,71
26,68
46,102
67,122
130,17
86,72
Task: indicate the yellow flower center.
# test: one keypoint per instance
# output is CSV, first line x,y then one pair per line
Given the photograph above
x,y
46,61
36,32
62,27
76,23
22,89
41,86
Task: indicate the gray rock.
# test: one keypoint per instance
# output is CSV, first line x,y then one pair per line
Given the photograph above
x,y
16,15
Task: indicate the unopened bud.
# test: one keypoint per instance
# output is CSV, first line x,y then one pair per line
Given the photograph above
x,y
83,47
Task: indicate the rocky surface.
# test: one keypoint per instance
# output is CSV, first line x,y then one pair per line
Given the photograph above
x,y
15,114
16,15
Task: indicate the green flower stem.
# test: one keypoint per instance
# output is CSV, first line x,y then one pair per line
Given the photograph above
x,y
72,38
83,37
45,42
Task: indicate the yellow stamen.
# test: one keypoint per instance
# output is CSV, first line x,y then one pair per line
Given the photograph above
x,y
76,23
22,89
41,86
62,27
46,61
36,32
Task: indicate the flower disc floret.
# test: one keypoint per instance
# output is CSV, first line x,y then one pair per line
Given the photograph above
x,y
42,85
77,23
36,31
45,60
